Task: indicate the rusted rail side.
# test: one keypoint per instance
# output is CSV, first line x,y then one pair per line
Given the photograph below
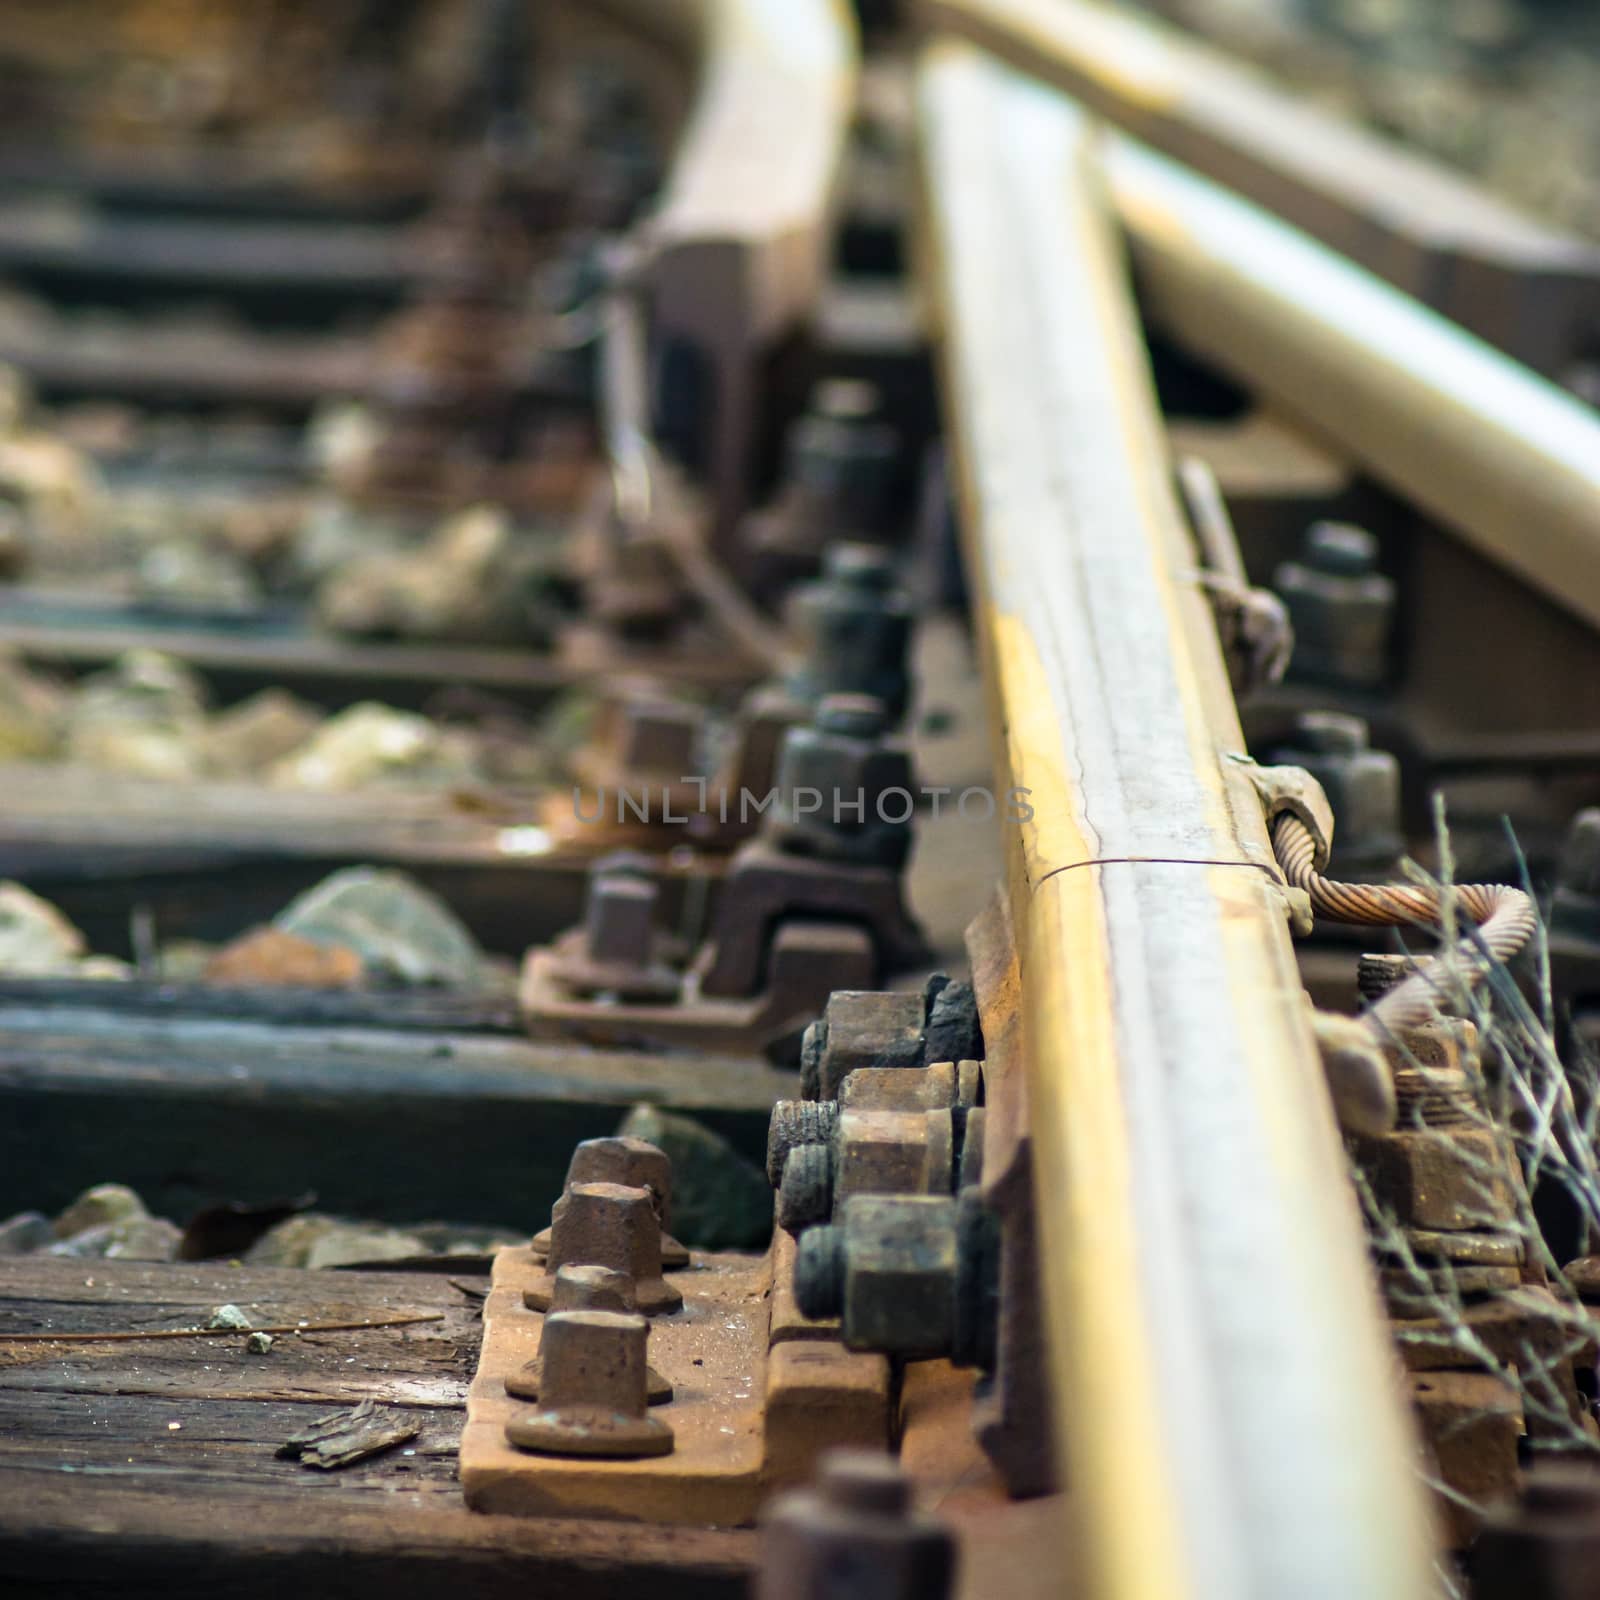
x,y
1502,457
1229,1423
1527,288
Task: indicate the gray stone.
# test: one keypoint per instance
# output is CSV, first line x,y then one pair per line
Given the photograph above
x,y
258,1344
353,1243
290,1242
252,735
230,1316
33,712
319,1241
35,939
144,716
133,1239
402,932
467,582
187,575
371,743
720,1201
26,1232
95,1208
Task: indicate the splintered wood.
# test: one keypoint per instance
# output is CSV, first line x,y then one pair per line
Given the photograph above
x,y
754,1403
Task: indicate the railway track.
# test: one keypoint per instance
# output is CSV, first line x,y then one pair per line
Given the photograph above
x,y
393,876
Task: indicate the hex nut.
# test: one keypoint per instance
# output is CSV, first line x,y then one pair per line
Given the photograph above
x,y
1454,1181
797,1122
634,1163
805,1193
900,1267
608,1225
864,1028
587,1288
894,1152
1340,606
855,1534
819,1272
845,761
593,1399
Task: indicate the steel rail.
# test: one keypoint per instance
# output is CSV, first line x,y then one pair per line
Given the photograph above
x,y
739,239
1525,287
1504,458
1229,1418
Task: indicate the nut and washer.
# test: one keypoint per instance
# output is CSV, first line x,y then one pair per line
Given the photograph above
x,y
1340,606
587,1288
887,1271
794,1123
636,1164
594,1390
607,1225
861,783
854,629
861,1028
855,1534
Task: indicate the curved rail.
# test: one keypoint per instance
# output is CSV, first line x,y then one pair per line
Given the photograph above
x,y
1527,288
1497,453
739,240
1228,1418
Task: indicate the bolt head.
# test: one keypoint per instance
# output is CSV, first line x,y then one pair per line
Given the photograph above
x,y
619,920
659,736
1341,549
581,1287
1579,871
851,716
1332,733
619,1158
864,1480
847,399
858,566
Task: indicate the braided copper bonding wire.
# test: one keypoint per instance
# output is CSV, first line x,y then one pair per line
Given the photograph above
x,y
1506,920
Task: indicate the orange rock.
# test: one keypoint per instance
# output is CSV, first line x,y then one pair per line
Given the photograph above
x,y
266,956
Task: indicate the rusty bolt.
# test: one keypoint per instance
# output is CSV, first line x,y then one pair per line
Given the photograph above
x,y
805,1192
894,1152
797,1122
1575,904
844,789
1362,786
908,1275
853,625
893,1130
819,1273
1453,1180
636,1164
659,738
887,1270
608,1225
593,1400
860,1028
588,1288
1378,973
939,1086
842,456
813,1042
1341,607
854,1535
954,1032
619,921
617,950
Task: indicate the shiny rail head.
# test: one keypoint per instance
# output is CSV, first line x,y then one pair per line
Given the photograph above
x,y
1222,1442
